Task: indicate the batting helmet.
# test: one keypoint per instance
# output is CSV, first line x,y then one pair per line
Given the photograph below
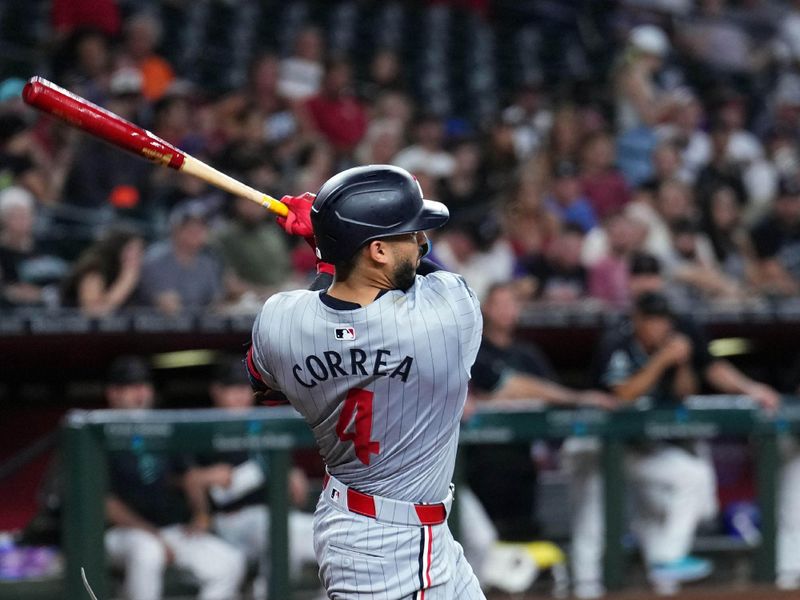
x,y
366,203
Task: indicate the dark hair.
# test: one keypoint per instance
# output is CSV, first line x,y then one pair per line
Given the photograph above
x,y
653,304
128,370
346,267
642,263
101,257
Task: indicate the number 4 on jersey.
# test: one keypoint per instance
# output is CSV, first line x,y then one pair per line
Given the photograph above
x,y
358,402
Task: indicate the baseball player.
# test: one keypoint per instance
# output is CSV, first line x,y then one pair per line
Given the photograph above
x,y
378,364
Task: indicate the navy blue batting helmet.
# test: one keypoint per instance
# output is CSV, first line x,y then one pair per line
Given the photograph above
x,y
366,203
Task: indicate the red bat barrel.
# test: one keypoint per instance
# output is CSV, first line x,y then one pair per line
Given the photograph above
x,y
79,112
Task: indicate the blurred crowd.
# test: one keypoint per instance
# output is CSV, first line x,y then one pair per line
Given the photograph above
x,y
668,180
683,155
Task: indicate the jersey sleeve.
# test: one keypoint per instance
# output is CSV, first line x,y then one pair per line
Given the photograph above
x,y
467,310
258,354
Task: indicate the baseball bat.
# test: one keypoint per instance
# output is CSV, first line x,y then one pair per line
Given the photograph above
x,y
105,125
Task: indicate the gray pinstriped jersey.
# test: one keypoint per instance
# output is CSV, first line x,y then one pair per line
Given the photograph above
x,y
383,386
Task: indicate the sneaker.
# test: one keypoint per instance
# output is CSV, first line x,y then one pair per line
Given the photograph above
x,y
788,581
588,590
688,568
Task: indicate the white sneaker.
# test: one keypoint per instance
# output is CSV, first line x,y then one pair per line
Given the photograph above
x,y
588,590
788,581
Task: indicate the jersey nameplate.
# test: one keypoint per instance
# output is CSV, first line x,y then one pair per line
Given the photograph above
x,y
355,362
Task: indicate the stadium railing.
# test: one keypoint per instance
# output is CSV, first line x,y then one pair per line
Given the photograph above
x,y
89,436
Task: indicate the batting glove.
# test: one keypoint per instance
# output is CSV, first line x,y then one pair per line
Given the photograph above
x,y
298,221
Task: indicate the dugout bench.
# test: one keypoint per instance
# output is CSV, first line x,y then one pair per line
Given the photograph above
x,y
90,435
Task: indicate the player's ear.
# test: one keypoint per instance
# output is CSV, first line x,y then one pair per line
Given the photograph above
x,y
378,251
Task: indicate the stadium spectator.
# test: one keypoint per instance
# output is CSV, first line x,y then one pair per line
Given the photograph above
x,y
504,476
720,170
427,154
558,275
235,485
566,199
530,119
640,104
695,266
142,36
602,183
336,112
383,140
609,274
733,247
502,162
152,521
667,165
530,227
385,75
71,15
777,242
722,47
87,64
105,276
100,179
27,274
472,245
182,273
254,251
686,131
565,136
301,73
465,188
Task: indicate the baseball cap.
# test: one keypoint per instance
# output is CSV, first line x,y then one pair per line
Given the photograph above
x,y
653,304
644,264
189,210
230,370
129,370
649,39
125,81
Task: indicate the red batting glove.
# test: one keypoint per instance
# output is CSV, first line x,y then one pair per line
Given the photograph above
x,y
298,221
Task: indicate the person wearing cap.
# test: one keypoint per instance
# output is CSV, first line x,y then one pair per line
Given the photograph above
x,y
153,519
639,101
777,243
566,199
657,358
236,485
427,154
182,273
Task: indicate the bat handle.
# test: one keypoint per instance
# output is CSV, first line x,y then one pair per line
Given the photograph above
x,y
206,172
274,206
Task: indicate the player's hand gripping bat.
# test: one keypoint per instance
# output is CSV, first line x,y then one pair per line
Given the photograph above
x,y
105,125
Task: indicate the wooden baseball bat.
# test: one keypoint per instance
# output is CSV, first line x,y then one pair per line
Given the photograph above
x,y
105,125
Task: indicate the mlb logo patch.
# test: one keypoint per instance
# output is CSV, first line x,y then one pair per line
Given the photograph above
x,y
335,495
345,333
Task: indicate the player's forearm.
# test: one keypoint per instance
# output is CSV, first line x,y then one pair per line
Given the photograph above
x,y
195,485
641,382
119,514
726,378
523,387
685,383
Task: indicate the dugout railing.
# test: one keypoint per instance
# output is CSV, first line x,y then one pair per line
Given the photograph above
x,y
89,437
